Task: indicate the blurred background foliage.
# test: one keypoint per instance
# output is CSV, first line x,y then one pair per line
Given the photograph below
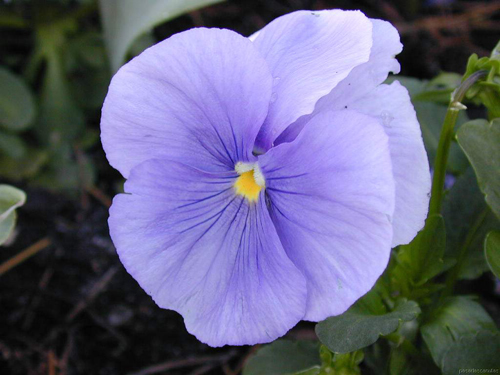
x,y
73,309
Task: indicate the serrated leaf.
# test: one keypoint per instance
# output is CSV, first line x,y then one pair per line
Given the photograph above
x,y
10,199
126,20
492,252
283,357
468,220
458,316
480,141
17,105
477,352
358,327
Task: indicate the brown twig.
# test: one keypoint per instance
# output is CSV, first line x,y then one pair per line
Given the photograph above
x,y
52,363
94,292
181,363
203,369
63,362
99,195
474,15
23,255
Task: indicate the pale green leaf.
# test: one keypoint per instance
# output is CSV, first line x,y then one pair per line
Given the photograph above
x,y
126,20
10,199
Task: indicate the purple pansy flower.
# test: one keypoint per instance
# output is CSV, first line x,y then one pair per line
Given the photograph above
x,y
267,177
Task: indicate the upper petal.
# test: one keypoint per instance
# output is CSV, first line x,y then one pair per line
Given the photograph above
x,y
198,248
361,80
332,199
200,96
392,106
309,53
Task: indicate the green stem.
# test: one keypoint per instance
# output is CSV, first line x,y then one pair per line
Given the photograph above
x,y
454,273
445,140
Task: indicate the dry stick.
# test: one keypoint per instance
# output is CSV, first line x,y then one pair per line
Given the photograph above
x,y
203,369
23,255
99,195
474,14
63,362
82,305
96,289
52,362
29,312
180,363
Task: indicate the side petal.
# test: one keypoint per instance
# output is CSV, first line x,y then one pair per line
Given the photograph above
x,y
410,166
361,80
309,53
332,199
200,96
198,248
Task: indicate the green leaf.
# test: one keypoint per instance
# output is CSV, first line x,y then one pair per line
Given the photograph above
x,y
468,219
440,88
25,167
458,316
12,146
17,105
431,116
422,259
312,371
480,141
359,327
10,199
88,72
492,252
283,357
124,21
476,351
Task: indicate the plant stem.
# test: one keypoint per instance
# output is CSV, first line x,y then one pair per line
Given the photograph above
x,y
445,140
454,273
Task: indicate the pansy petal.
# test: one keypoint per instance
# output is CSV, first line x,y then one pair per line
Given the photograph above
x,y
331,194
198,248
361,80
309,53
200,96
410,166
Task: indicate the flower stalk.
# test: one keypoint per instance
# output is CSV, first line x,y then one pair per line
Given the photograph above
x,y
445,140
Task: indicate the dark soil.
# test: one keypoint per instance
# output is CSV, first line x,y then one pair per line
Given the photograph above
x,y
74,307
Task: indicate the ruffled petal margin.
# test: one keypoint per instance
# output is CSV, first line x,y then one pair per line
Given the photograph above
x,y
309,53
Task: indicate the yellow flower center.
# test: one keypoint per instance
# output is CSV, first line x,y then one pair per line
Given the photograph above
x,y
250,182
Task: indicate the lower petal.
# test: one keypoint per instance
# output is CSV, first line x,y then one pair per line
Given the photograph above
x,y
332,199
198,248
